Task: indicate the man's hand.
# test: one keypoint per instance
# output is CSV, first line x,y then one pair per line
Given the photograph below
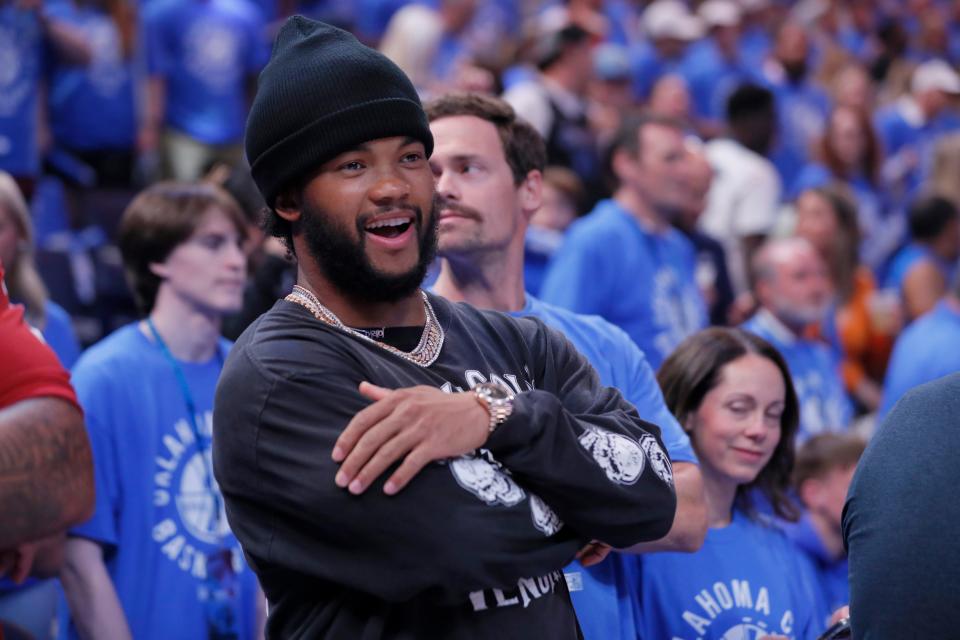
x,y
418,424
41,559
594,553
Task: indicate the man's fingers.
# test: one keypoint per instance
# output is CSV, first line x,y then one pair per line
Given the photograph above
x,y
388,453
412,464
363,451
358,425
373,392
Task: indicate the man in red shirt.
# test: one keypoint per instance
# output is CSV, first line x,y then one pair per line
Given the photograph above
x,y
46,468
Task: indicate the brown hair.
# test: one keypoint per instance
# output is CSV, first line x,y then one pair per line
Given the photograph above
x,y
825,452
845,255
162,217
869,164
696,367
23,281
522,145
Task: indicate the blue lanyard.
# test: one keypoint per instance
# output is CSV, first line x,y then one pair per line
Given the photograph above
x,y
192,415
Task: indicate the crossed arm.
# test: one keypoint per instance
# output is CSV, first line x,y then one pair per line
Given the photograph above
x,y
46,470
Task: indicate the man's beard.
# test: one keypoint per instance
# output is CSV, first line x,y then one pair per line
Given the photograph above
x,y
344,260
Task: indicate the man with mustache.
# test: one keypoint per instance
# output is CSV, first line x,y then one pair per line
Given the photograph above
x,y
361,423
489,165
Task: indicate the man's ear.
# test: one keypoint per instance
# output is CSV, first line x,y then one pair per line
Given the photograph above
x,y
530,193
159,269
622,164
287,204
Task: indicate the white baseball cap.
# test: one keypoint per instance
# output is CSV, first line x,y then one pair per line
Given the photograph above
x,y
671,19
935,74
720,13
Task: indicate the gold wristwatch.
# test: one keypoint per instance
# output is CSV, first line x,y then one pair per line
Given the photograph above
x,y
497,400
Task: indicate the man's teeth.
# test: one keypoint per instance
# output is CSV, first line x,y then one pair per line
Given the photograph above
x,y
388,222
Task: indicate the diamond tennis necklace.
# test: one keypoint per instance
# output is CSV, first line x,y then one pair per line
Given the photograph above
x,y
423,355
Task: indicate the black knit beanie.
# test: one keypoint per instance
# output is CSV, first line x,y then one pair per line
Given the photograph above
x,y
321,94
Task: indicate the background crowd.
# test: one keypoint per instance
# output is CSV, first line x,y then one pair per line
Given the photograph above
x,y
792,168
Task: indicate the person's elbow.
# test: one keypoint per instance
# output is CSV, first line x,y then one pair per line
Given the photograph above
x,y
690,524
688,529
78,496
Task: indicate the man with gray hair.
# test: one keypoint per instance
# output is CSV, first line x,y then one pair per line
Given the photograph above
x,y
793,289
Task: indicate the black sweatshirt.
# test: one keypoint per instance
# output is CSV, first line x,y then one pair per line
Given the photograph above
x,y
473,547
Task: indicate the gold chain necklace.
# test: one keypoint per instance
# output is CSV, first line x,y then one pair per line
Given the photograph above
x,y
423,355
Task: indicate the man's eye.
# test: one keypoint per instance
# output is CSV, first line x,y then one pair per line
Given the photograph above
x,y
211,242
412,157
354,165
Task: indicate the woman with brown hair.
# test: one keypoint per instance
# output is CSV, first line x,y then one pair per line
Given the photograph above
x,y
866,320
731,391
849,154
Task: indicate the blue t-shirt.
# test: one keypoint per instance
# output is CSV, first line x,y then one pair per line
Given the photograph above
x,y
599,593
21,61
641,281
832,586
815,372
92,106
926,350
745,582
205,51
154,513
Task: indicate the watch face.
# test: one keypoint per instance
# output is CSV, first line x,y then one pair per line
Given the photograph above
x,y
496,391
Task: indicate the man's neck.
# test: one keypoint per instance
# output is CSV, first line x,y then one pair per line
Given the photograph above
x,y
636,206
487,284
408,311
191,335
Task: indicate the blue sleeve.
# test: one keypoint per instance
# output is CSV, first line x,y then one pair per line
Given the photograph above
x,y
577,278
159,58
93,391
59,334
644,393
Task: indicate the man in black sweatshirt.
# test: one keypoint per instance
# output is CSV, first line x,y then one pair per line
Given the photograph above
x,y
395,465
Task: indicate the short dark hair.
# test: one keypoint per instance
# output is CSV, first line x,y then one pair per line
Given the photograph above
x,y
694,368
550,46
160,218
929,215
627,137
523,146
825,452
747,102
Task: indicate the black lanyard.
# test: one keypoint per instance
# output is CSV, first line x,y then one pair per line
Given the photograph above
x,y
192,415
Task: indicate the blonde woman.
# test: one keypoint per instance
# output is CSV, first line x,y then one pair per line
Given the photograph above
x,y
23,282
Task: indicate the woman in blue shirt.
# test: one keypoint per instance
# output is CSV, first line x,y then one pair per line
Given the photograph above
x,y
731,392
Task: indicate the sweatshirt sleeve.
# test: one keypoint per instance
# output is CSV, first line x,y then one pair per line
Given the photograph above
x,y
586,452
275,425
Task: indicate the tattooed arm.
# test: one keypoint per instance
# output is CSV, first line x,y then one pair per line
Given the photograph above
x,y
46,469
